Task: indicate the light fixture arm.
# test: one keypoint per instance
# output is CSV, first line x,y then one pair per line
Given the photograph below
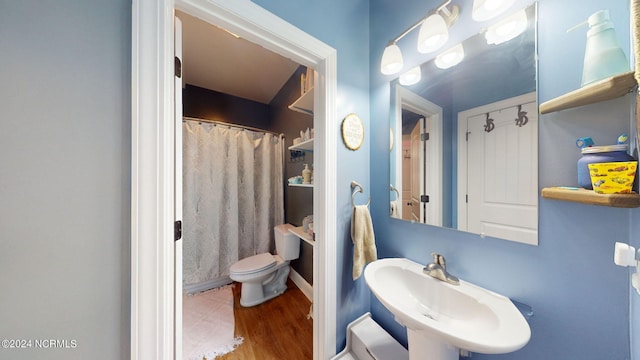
x,y
444,9
408,30
450,16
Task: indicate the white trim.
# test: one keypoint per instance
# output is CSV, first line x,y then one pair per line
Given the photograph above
x,y
462,175
398,147
152,183
152,162
325,205
405,98
302,284
177,124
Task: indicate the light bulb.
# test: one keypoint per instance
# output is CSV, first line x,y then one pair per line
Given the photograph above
x,y
433,34
410,77
391,60
507,29
451,57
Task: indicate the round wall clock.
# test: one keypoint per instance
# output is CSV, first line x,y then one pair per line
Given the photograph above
x,y
352,131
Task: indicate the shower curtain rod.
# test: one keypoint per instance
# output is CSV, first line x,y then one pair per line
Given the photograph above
x,y
187,118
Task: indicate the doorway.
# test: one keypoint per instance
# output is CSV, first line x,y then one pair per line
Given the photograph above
x,y
153,311
236,127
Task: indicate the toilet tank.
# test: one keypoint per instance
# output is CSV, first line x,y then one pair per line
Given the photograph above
x,y
287,243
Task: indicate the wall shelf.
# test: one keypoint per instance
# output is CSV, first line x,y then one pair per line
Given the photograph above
x,y
606,89
306,145
304,104
302,185
299,232
591,197
602,90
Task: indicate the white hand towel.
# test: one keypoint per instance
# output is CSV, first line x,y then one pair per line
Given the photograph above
x,y
364,240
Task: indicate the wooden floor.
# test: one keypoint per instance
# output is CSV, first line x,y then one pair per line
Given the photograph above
x,y
277,329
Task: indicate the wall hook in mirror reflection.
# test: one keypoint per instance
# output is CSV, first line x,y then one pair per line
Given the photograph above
x,y
357,188
489,126
522,118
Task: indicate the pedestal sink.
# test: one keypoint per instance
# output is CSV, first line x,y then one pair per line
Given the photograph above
x,y
441,318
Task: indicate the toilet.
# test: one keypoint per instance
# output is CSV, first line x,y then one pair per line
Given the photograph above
x,y
264,276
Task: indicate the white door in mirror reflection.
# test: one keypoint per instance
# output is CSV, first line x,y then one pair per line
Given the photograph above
x,y
501,170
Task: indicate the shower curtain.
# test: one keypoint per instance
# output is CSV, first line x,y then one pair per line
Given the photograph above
x,y
232,198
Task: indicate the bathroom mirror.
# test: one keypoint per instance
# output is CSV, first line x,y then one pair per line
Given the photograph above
x,y
465,140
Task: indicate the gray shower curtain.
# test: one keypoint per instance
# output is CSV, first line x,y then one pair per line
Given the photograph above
x,y
232,198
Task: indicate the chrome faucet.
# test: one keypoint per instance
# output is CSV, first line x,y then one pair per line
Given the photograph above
x,y
438,269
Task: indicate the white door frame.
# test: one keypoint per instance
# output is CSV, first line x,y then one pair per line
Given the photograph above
x,y
153,183
432,113
417,151
177,256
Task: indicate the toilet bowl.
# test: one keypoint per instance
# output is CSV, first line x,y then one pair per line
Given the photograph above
x,y
264,276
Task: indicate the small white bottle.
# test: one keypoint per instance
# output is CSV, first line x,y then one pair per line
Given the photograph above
x,y
306,175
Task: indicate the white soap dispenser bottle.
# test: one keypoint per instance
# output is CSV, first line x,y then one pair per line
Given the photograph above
x,y
306,175
603,56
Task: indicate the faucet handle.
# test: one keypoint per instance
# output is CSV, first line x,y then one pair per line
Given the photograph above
x,y
438,259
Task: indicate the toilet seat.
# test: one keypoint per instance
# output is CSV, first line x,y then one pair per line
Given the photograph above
x,y
253,264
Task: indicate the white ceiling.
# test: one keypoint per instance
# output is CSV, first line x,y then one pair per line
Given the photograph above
x,y
214,59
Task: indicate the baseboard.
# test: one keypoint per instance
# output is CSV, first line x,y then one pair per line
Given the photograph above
x,y
302,284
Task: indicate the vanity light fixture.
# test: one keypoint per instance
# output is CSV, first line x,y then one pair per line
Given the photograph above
x,y
450,58
410,77
507,29
391,59
434,33
488,9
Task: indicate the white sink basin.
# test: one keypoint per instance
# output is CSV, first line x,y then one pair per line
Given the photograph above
x,y
442,318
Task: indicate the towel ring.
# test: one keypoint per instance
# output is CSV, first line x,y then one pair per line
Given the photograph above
x,y
393,188
357,189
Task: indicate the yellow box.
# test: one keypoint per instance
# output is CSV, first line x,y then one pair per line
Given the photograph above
x,y
613,177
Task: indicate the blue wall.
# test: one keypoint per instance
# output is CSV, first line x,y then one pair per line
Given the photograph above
x,y
581,299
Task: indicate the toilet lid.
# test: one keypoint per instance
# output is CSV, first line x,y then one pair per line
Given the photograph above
x,y
253,264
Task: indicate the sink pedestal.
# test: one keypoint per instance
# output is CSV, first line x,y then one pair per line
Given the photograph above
x,y
425,347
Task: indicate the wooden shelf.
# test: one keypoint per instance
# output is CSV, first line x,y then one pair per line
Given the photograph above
x,y
602,90
299,232
304,104
306,145
591,197
302,185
